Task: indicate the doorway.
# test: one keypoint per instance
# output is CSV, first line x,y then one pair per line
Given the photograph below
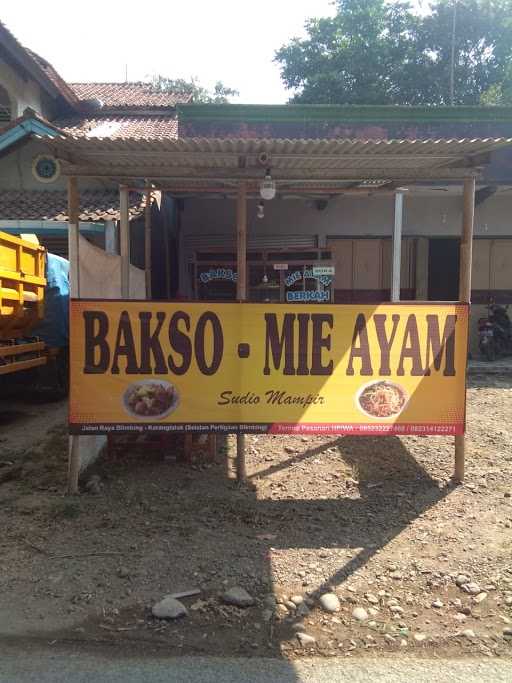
x,y
443,269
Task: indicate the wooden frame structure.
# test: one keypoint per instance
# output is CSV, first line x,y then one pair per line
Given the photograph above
x,y
233,168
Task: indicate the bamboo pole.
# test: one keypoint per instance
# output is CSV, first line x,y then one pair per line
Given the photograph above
x,y
241,293
124,241
74,286
147,243
466,257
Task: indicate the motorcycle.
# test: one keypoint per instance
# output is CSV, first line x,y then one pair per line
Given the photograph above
x,y
495,332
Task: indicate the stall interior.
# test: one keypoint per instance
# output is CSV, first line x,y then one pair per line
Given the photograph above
x,y
273,276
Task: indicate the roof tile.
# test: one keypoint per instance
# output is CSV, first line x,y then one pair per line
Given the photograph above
x,y
52,205
121,127
124,95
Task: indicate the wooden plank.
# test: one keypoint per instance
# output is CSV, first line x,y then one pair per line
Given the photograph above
x,y
74,288
147,243
466,254
124,242
22,365
16,349
241,293
73,237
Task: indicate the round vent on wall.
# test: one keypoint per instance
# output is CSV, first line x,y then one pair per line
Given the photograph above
x,y
46,168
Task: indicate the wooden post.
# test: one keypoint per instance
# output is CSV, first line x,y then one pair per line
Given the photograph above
x,y
466,258
74,289
241,293
124,241
397,248
147,243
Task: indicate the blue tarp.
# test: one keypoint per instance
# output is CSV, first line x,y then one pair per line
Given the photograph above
x,y
54,328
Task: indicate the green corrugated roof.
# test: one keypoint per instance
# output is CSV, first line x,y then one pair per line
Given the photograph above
x,y
269,113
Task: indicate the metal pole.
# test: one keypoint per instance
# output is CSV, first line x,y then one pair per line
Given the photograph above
x,y
74,290
241,293
466,257
124,241
397,247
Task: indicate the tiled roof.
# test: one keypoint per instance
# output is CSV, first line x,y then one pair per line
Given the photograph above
x,y
66,91
102,205
39,68
121,127
126,95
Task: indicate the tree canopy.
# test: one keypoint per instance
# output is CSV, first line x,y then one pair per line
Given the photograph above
x,y
219,95
378,52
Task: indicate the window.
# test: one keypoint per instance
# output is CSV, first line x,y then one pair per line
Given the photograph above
x,y
5,106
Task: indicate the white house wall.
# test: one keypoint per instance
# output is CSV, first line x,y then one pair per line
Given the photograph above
x,y
23,93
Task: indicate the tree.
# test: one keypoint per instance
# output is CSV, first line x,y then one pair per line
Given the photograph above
x,y
219,95
377,52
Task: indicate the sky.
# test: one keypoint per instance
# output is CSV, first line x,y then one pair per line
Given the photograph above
x,y
229,40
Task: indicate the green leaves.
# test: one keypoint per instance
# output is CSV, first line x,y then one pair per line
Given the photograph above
x,y
374,52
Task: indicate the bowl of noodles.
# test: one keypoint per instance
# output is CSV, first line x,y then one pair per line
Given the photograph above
x,y
382,399
150,399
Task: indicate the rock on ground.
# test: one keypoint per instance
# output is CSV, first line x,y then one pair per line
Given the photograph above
x,y
239,597
169,608
360,614
330,602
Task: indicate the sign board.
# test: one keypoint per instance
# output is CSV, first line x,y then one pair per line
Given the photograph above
x,y
277,368
323,270
280,266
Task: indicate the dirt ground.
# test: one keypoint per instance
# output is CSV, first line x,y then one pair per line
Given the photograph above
x,y
375,521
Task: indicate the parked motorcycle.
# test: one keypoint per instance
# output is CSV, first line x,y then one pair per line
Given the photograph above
x,y
495,332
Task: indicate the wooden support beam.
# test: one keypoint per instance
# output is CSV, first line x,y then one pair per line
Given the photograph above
x,y
124,241
466,258
74,287
147,243
241,293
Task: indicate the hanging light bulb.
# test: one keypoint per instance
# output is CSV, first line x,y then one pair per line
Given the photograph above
x,y
268,187
261,209
264,279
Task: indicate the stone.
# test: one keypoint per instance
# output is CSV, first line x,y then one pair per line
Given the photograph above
x,y
290,449
123,572
239,597
330,602
479,598
472,588
291,605
396,609
462,579
468,633
281,609
267,615
306,640
372,611
420,637
302,610
373,599
297,599
438,604
508,600
169,608
507,632
360,614
396,575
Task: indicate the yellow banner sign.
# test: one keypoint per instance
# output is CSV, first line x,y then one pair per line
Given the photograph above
x,y
279,368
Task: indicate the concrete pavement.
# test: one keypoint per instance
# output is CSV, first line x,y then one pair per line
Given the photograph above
x,y
46,666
